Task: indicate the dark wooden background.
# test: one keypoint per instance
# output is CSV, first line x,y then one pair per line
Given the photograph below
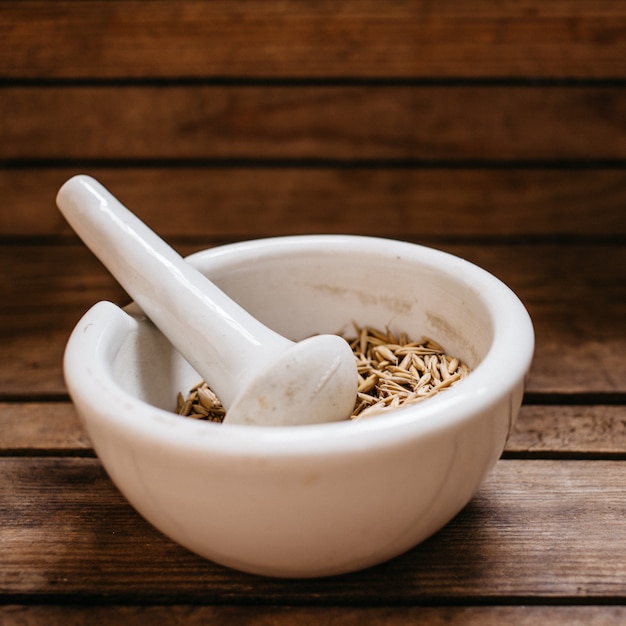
x,y
494,130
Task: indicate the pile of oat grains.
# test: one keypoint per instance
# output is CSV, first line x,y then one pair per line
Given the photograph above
x,y
393,371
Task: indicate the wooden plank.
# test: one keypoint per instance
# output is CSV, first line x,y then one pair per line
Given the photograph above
x,y
46,291
574,293
540,529
52,615
41,427
313,122
579,430
578,313
597,430
244,203
579,38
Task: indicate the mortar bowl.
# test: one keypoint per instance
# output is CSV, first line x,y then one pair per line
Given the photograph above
x,y
313,500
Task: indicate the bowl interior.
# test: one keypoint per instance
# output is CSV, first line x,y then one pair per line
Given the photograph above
x,y
300,287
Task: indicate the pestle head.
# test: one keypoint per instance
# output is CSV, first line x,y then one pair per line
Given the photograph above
x,y
313,381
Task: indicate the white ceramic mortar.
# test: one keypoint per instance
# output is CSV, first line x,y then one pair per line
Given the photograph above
x,y
320,499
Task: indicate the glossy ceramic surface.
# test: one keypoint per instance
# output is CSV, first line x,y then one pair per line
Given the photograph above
x,y
319,499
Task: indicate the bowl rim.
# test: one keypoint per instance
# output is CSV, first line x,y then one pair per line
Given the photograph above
x,y
91,348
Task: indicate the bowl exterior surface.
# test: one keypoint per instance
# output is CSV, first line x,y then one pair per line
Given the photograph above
x,y
321,499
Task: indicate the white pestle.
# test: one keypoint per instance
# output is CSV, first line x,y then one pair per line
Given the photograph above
x,y
260,376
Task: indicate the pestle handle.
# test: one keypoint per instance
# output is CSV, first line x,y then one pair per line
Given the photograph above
x,y
221,340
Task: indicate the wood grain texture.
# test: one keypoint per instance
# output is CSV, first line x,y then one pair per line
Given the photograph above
x,y
424,123
528,532
310,39
496,132
210,203
52,615
584,430
41,428
575,295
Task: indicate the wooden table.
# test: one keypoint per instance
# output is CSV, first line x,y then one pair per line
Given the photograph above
x,y
496,132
